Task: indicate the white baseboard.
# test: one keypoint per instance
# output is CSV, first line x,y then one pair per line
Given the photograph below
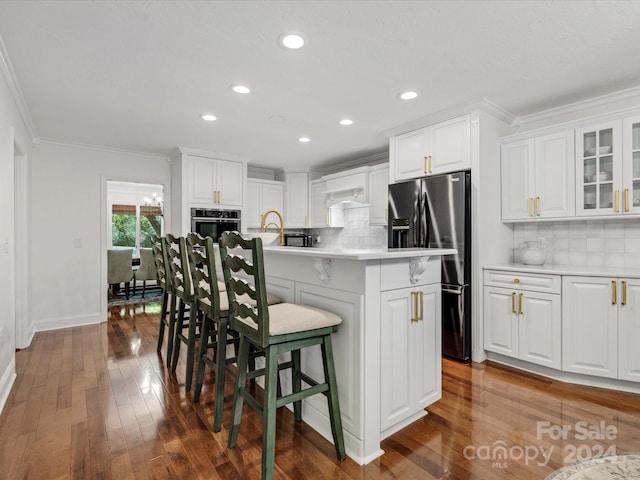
x,y
6,382
67,322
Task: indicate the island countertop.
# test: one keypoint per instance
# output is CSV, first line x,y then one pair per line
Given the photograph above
x,y
360,254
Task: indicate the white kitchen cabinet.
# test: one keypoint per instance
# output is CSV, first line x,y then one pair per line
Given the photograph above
x,y
443,147
378,194
522,314
537,176
296,208
318,211
410,352
631,164
215,182
601,326
262,195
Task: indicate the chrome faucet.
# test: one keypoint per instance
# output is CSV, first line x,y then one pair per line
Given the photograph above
x,y
264,225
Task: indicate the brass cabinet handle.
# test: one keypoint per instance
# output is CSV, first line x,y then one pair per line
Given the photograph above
x,y
531,206
430,171
624,293
520,304
414,313
614,294
616,198
516,280
424,164
513,302
326,218
215,198
538,206
626,199
421,296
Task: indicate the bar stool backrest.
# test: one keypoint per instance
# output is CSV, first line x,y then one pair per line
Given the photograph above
x,y
178,258
203,272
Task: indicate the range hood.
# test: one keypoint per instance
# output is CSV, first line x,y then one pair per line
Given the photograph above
x,y
353,187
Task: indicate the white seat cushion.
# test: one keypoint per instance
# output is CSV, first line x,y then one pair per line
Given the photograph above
x,y
291,318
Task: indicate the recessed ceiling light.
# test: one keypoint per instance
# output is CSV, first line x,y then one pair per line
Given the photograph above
x,y
346,121
304,139
209,118
408,95
291,40
241,89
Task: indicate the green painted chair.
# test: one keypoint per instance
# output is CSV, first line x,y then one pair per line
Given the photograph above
x,y
183,321
276,329
164,281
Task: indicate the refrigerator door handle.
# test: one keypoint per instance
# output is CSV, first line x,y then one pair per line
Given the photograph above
x,y
455,290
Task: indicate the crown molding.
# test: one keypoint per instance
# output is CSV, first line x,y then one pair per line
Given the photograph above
x,y
15,91
481,103
367,161
179,151
585,108
99,148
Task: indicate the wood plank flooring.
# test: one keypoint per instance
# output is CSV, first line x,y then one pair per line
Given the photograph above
x,y
97,402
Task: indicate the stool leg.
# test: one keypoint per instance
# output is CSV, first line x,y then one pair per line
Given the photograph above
x,y
176,338
194,314
296,382
172,329
204,342
332,396
163,319
238,400
269,413
220,366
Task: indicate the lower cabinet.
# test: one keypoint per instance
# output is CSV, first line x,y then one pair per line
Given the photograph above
x,y
601,326
410,352
522,322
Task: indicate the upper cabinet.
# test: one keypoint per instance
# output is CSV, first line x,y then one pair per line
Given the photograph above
x,y
443,147
378,194
318,211
296,207
538,177
631,164
262,196
215,182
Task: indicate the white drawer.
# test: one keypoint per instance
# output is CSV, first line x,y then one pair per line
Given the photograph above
x,y
524,281
398,273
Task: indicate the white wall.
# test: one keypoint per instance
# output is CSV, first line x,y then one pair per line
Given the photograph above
x,y
13,137
68,229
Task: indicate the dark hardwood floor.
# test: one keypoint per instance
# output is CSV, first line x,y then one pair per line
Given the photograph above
x,y
97,402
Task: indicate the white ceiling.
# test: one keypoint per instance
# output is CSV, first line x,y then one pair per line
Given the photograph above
x,y
136,75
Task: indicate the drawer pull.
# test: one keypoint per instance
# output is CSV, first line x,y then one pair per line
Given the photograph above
x,y
516,280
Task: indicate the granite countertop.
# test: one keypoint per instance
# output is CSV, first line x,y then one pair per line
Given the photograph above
x,y
585,270
362,254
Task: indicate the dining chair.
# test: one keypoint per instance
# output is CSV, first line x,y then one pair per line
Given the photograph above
x,y
119,268
146,270
164,281
275,329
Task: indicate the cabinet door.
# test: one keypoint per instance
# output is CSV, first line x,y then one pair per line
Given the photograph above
x,y
540,328
599,169
251,212
555,175
297,200
318,210
202,173
517,177
449,145
229,180
629,330
378,196
272,197
631,164
407,155
589,326
501,321
410,353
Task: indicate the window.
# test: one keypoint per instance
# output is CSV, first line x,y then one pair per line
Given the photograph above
x,y
133,225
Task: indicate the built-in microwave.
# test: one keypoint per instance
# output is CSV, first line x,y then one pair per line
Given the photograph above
x,y
298,240
210,222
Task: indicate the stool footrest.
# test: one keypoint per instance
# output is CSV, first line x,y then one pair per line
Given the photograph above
x,y
307,392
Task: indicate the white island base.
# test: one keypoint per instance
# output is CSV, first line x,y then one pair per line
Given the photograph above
x,y
387,350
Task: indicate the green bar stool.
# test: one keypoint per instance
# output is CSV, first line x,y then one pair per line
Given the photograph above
x,y
164,280
276,329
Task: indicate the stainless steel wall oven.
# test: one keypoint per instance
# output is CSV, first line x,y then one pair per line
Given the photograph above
x,y
210,222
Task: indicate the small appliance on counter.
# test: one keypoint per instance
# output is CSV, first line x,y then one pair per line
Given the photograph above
x,y
298,240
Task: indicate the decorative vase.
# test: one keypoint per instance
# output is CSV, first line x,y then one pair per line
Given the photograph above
x,y
533,253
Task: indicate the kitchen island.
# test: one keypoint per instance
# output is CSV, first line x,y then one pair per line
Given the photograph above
x,y
388,349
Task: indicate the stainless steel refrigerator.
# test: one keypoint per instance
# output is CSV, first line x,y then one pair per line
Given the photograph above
x,y
435,212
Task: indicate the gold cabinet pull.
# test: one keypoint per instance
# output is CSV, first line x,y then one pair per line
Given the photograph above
x,y
516,280
326,218
520,311
531,206
538,206
513,302
624,293
421,296
626,199
429,161
616,198
424,164
614,293
414,313
215,198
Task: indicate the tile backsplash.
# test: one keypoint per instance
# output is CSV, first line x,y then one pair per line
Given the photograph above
x,y
356,233
590,242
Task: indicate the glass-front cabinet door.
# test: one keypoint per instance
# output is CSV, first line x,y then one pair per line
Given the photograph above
x,y
631,165
599,170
